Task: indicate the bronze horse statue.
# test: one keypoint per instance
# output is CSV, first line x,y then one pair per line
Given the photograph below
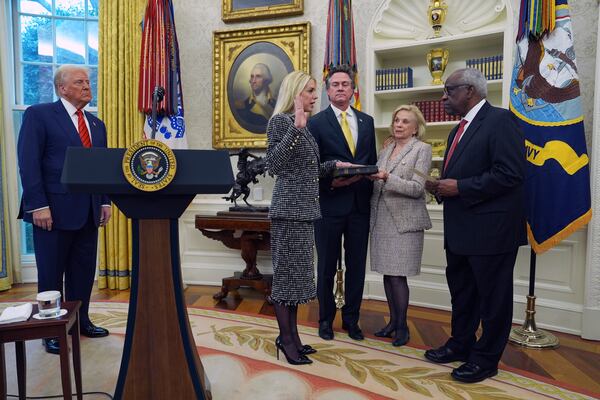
x,y
249,167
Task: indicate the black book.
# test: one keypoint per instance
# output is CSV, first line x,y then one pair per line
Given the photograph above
x,y
347,172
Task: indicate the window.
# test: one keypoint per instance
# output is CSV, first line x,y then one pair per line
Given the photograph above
x,y
47,34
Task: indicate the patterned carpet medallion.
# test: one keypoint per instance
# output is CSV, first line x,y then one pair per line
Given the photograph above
x,y
239,356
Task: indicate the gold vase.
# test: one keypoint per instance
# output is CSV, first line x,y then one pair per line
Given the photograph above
x,y
437,15
437,59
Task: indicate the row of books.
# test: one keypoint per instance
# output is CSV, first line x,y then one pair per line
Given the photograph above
x,y
490,67
393,78
433,111
401,78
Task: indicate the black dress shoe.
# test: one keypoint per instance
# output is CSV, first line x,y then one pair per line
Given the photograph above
x,y
52,345
93,331
325,330
353,331
471,373
443,355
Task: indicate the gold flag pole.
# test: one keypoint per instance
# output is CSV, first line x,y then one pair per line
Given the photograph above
x,y
528,335
339,283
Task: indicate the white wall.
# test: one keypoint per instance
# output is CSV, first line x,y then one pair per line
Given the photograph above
x,y
561,271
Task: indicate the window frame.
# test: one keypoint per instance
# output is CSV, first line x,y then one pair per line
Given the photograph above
x,y
16,103
18,63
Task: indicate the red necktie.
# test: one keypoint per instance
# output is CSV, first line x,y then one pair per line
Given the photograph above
x,y
459,132
84,134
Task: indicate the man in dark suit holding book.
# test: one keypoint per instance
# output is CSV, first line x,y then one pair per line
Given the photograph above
x,y
345,134
484,225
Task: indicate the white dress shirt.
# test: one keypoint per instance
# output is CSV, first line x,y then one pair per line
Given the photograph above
x,y
470,116
71,110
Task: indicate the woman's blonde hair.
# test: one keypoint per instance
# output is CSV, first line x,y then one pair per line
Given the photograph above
x,y
421,124
291,86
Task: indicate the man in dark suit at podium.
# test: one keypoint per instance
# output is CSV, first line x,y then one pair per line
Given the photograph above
x,y
484,224
345,134
65,225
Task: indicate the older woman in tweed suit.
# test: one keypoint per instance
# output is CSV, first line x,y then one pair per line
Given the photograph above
x,y
293,157
399,216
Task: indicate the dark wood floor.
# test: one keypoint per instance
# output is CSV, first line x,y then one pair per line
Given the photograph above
x,y
576,361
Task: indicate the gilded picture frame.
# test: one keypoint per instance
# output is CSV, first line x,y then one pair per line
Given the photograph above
x,y
248,67
244,10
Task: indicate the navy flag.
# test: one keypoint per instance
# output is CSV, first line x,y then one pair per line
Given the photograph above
x,y
545,98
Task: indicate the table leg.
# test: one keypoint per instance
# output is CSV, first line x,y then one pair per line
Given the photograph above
x,y
76,357
21,369
248,244
222,294
65,367
2,373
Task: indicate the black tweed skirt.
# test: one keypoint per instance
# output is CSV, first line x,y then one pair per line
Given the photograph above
x,y
292,245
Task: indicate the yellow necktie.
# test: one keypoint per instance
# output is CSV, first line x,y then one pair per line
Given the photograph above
x,y
348,133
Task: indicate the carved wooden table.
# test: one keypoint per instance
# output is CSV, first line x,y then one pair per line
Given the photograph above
x,y
247,231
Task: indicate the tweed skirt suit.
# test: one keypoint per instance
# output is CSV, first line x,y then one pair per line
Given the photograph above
x,y
398,212
293,157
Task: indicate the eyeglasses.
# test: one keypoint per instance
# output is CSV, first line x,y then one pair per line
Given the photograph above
x,y
449,89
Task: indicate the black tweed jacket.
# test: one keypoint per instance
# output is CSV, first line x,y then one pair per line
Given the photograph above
x,y
293,157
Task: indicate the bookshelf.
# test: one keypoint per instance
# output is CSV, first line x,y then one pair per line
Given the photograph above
x,y
400,36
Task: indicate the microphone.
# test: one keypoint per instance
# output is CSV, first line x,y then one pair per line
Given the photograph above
x,y
157,95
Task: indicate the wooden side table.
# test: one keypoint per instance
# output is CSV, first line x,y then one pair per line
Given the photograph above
x,y
31,329
247,231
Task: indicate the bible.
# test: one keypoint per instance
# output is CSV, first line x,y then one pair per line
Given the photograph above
x,y
347,172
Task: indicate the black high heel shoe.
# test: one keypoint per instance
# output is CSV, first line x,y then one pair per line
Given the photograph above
x,y
386,331
306,350
301,360
402,337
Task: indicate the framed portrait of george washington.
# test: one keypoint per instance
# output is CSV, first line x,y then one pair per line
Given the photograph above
x,y
248,67
243,10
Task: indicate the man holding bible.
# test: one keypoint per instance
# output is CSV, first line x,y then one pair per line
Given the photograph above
x,y
484,224
345,134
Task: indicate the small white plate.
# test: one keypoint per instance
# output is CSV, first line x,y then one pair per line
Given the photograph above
x,y
62,312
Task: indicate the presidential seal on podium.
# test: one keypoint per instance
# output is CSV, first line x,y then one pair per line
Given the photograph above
x,y
149,165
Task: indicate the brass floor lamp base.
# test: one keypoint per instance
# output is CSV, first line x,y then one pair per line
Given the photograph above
x,y
339,289
528,335
538,339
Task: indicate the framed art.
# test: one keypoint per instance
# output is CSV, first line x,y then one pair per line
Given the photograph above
x,y
243,10
248,67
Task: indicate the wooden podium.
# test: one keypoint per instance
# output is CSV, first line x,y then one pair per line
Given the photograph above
x,y
160,360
